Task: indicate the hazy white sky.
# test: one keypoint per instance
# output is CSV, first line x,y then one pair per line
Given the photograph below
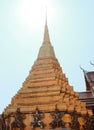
x,y
71,28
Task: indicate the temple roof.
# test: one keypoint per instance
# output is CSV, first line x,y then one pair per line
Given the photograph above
x,y
89,79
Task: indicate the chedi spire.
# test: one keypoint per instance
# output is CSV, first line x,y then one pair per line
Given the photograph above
x,y
46,33
46,50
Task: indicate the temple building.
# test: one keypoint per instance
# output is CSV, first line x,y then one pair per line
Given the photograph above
x,y
46,100
88,95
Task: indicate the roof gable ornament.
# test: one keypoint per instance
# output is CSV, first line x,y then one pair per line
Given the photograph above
x,y
91,63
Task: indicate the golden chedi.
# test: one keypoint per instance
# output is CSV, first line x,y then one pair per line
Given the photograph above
x,y
46,100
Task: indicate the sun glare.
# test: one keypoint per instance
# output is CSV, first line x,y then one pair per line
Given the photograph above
x,y
33,12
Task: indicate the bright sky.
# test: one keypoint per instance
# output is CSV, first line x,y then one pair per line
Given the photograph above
x,y
71,28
